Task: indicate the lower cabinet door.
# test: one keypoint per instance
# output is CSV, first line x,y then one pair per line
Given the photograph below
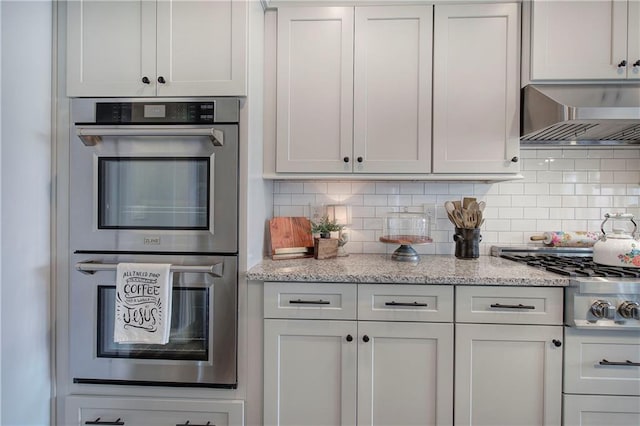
x,y
508,374
405,373
309,372
102,410
597,410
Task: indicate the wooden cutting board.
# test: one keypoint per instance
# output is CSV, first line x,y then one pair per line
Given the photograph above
x,y
290,237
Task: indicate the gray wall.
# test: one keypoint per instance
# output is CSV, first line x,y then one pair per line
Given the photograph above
x,y
25,178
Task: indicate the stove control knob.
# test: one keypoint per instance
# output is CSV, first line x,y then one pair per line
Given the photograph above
x,y
602,309
629,310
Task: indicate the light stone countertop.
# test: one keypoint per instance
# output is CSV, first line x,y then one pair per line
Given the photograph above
x,y
431,269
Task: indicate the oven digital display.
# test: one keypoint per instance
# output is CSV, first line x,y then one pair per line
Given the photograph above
x,y
155,111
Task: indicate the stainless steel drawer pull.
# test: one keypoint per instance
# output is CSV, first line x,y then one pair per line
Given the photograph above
x,y
99,422
93,267
414,304
194,424
626,363
518,306
309,302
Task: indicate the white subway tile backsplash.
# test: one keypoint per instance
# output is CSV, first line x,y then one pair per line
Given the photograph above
x,y
568,189
562,164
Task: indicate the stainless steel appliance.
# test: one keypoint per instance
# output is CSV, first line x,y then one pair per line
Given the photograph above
x,y
580,114
155,181
154,175
202,343
601,336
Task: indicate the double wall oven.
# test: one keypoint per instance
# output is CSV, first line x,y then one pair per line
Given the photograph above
x,y
155,181
601,383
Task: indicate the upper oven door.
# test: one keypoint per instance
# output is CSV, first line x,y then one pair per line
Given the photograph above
x,y
169,188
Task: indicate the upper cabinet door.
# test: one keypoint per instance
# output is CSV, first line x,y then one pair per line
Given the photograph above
x,y
201,47
476,89
392,89
581,39
156,48
111,47
633,70
315,89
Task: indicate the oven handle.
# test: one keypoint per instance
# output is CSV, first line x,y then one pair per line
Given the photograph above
x,y
91,135
93,267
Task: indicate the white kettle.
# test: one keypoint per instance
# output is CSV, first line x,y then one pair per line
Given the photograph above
x,y
618,248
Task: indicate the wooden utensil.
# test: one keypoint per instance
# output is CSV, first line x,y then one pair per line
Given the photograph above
x,y
481,205
466,202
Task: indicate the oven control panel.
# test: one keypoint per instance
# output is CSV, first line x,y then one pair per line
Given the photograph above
x,y
156,112
620,311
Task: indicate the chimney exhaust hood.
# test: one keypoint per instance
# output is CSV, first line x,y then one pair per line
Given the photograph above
x,y
580,115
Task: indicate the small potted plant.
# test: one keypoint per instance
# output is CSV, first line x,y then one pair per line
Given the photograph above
x,y
325,227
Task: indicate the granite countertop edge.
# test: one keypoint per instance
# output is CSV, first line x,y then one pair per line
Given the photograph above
x,y
430,270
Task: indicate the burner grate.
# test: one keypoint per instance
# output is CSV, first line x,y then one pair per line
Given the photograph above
x,y
582,266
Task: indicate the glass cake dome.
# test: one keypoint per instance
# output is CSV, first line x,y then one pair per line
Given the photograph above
x,y
407,229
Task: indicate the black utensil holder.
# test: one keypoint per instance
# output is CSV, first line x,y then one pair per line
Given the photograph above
x,y
467,243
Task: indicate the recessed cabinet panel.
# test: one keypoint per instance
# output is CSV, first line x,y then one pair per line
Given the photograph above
x,y
111,46
404,373
507,375
475,89
580,39
392,89
315,89
211,58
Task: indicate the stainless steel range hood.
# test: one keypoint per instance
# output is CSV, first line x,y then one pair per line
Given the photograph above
x,y
579,115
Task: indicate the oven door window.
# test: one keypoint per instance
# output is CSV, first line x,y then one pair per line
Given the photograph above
x,y
153,193
188,338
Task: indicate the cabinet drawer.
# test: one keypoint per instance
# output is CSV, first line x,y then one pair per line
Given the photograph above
x,y
379,302
151,412
510,305
309,300
596,362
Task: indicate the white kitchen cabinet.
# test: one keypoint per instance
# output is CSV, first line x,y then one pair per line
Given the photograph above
x,y
476,89
96,410
507,373
592,410
309,372
324,371
585,40
354,98
405,373
156,48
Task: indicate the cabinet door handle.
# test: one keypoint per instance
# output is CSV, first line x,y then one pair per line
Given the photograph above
x,y
359,159
349,338
345,159
392,303
626,363
622,64
515,159
365,338
636,63
161,80
557,343
187,423
99,422
146,80
309,302
518,306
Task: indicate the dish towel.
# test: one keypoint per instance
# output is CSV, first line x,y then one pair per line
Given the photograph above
x,y
143,303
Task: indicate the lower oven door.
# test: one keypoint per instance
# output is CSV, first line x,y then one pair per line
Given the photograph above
x,y
202,343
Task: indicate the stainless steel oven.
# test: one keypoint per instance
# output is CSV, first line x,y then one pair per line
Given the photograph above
x,y
155,181
202,344
153,175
